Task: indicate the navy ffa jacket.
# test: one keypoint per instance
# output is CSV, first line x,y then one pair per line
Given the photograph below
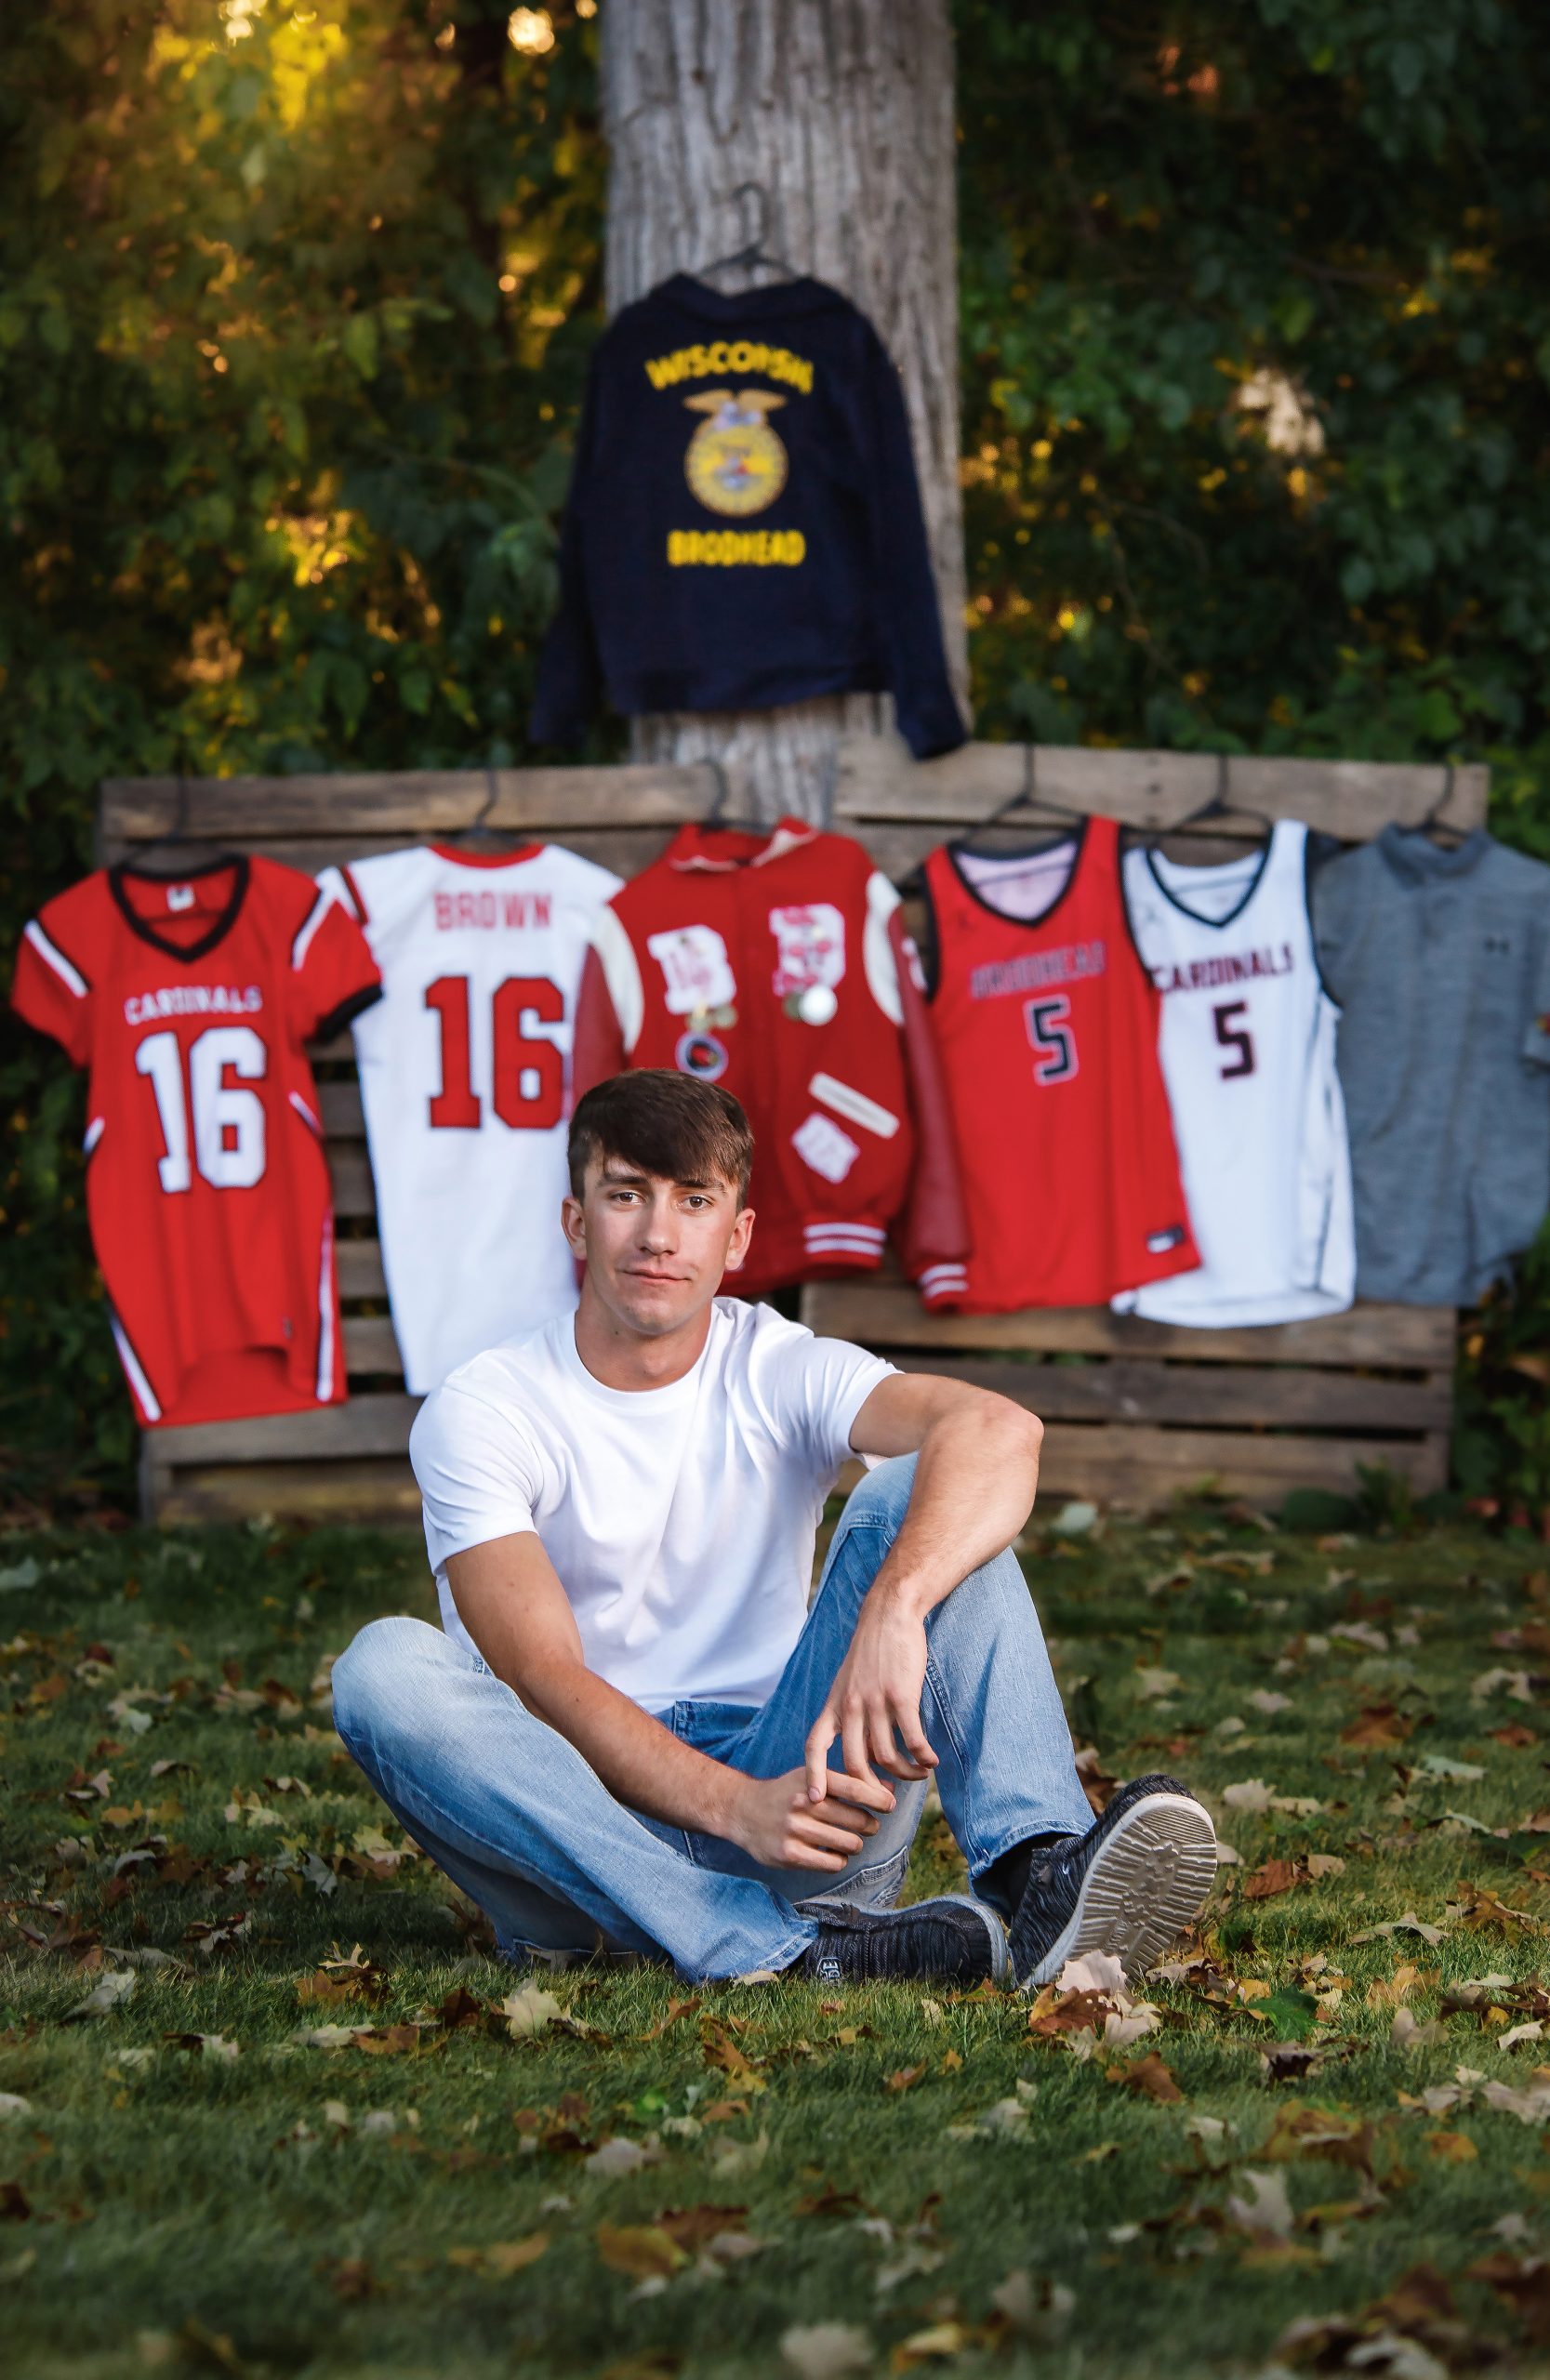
x,y
744,524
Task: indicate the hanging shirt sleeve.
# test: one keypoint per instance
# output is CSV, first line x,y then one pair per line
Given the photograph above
x,y
909,618
51,988
570,675
934,1231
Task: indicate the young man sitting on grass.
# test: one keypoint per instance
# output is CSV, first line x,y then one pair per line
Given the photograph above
x,y
630,1732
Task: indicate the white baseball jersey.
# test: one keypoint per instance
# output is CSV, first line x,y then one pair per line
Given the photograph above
x,y
1248,1055
465,1080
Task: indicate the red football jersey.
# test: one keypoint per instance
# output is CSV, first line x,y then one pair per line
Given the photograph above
x,y
189,1000
1047,1022
776,964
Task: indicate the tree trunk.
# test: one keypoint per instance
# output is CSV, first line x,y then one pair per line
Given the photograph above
x,y
842,112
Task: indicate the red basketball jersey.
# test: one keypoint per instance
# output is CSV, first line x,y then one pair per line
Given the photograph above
x,y
189,1002
1047,1022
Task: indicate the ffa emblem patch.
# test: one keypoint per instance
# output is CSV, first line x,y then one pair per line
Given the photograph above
x,y
810,942
696,972
702,1055
735,464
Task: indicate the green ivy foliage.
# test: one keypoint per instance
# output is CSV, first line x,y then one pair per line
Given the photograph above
x,y
295,305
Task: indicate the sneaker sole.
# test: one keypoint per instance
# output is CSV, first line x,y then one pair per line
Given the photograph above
x,y
1148,1879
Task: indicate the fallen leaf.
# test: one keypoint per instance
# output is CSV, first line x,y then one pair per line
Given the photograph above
x,y
107,1994
1096,1971
1153,2079
903,2079
620,2156
1378,1724
500,2258
1453,2148
529,2010
214,2045
1265,2213
642,2250
1250,1794
1274,1877
940,2344
825,2351
1525,2283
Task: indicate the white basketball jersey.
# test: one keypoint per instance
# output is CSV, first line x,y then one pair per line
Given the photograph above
x,y
1248,1054
465,1080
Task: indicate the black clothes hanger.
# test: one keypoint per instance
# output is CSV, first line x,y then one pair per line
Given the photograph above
x,y
478,833
1434,825
1027,792
173,836
753,253
1216,807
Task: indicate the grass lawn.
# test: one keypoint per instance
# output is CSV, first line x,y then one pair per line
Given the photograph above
x,y
268,2105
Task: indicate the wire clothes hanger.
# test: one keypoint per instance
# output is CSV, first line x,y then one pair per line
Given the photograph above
x,y
478,830
1216,807
1434,824
1027,794
171,837
753,253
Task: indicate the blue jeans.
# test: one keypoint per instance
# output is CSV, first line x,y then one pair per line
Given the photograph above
x,y
514,1815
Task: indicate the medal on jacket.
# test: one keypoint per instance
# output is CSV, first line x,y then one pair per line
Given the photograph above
x,y
815,1004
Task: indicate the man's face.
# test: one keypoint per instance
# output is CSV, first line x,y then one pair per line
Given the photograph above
x,y
656,1250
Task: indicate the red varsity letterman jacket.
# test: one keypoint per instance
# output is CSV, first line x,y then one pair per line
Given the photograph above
x,y
777,965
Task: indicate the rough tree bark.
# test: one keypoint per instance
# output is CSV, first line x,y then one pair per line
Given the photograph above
x,y
842,110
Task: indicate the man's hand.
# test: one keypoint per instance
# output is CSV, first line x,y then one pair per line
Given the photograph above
x,y
781,1826
874,1704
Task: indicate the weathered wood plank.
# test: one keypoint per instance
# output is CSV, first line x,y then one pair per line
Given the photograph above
x,y
358,1264
366,1425
371,1345
1352,799
1139,1469
340,1107
415,803
349,1172
1245,1397
626,850
888,1315
369,1494
1143,1468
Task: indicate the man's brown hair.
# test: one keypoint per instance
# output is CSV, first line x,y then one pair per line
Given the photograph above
x,y
667,1124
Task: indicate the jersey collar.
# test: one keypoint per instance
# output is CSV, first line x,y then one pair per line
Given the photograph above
x,y
693,846
523,852
188,952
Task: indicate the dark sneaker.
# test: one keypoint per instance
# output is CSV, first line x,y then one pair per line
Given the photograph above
x,y
948,1940
1129,1885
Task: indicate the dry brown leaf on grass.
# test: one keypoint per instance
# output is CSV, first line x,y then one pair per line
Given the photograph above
x,y
498,2260
214,2045
1524,2281
1452,2147
1273,1878
903,2079
1151,2078
642,2250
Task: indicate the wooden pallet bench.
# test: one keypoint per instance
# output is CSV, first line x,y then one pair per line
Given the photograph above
x,y
1136,1411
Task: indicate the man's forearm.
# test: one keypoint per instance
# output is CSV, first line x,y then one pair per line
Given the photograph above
x,y
642,1762
976,1476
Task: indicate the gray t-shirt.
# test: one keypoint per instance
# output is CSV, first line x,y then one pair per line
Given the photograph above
x,y
1440,961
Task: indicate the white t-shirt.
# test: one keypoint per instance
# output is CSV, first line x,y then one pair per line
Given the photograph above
x,y
681,1520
